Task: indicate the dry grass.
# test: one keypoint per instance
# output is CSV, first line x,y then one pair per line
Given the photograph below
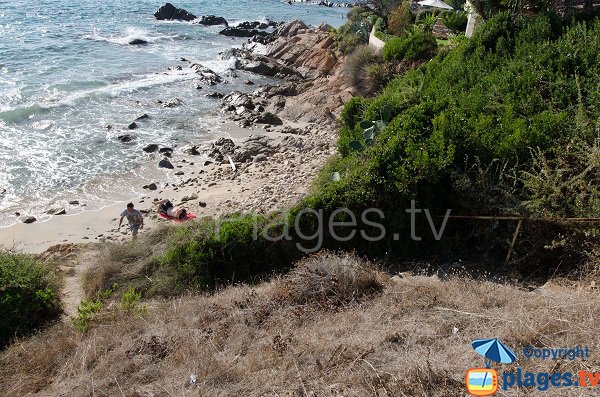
x,y
133,264
334,326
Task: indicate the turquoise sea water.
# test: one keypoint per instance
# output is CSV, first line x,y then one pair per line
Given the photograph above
x,y
67,71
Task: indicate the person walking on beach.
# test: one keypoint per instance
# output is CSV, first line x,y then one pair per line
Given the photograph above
x,y
135,219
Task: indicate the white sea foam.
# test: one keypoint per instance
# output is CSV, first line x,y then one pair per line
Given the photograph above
x,y
130,34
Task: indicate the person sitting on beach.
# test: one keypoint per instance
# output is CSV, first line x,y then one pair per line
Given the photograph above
x,y
167,208
135,219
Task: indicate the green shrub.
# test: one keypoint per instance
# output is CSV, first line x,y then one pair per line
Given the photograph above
x,y
222,251
420,45
28,296
86,310
130,299
455,21
517,88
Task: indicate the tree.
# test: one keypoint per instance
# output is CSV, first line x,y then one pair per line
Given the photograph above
x,y
400,19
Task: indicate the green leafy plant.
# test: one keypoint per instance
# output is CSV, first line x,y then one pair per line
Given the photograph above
x,y
89,309
28,296
427,22
86,310
130,299
455,21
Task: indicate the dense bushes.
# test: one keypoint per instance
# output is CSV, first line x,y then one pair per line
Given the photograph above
x,y
455,21
419,45
213,252
28,296
518,91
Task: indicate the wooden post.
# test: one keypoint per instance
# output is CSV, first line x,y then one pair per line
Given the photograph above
x,y
514,240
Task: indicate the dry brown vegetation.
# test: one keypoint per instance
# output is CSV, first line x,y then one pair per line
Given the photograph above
x,y
334,326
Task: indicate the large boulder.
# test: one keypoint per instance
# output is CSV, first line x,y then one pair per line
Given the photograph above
x,y
211,20
206,75
28,219
169,12
237,100
268,118
164,163
221,148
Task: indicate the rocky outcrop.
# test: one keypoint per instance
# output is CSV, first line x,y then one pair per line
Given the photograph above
x,y
259,64
316,88
211,20
235,31
169,12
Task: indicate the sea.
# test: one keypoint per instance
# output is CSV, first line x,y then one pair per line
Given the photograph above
x,y
70,84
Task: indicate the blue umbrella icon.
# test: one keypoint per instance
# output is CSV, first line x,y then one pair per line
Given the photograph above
x,y
494,350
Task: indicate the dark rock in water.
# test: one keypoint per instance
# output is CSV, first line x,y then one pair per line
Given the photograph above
x,y
56,211
126,138
74,202
165,150
211,20
108,127
164,163
215,95
151,148
28,219
207,162
241,32
152,186
202,204
170,12
268,118
179,173
249,82
138,42
143,117
132,126
193,151
17,214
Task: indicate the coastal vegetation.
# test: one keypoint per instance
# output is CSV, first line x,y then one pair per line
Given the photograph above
x,y
29,296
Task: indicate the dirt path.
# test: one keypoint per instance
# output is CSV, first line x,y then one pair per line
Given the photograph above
x,y
74,263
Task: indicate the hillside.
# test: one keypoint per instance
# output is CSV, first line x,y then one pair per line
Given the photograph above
x,y
333,326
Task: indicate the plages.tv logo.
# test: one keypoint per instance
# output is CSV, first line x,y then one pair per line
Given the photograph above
x,y
484,381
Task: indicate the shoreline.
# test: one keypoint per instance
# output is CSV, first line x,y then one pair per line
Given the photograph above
x,y
274,163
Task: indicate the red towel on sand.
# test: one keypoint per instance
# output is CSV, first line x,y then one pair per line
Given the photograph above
x,y
171,218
